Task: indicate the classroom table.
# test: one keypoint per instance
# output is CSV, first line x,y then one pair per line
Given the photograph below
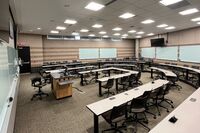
x,y
102,106
167,73
187,114
187,69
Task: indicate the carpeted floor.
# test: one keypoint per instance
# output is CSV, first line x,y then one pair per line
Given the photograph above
x,y
70,115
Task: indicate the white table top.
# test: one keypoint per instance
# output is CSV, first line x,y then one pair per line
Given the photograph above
x,y
189,68
188,115
166,72
69,69
104,105
129,65
114,77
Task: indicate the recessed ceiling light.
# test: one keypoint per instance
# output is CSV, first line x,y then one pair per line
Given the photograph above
x,y
54,31
140,32
38,28
169,2
117,34
148,21
70,21
150,34
97,26
84,30
195,19
125,35
127,15
102,32
131,31
75,33
162,25
94,6
60,28
91,35
105,36
138,36
117,29
170,28
189,11
198,22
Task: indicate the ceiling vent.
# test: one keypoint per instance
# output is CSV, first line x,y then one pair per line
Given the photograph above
x,y
179,5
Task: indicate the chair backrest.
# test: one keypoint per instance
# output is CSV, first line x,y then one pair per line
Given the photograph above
x,y
36,81
141,101
110,83
186,65
138,75
118,111
132,77
195,67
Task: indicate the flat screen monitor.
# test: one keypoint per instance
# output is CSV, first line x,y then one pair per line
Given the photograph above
x,y
158,42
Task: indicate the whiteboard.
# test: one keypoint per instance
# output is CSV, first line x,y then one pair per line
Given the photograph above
x,y
148,52
167,53
88,53
190,53
108,53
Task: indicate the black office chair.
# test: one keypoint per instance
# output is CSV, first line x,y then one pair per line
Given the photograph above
x,y
193,76
124,82
174,81
116,115
37,83
46,76
105,73
138,106
132,80
108,86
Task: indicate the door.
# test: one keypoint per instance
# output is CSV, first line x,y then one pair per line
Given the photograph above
x,y
24,55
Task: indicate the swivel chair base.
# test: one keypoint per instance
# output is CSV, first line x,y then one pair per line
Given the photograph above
x,y
39,94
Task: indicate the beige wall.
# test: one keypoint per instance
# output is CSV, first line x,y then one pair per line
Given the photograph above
x,y
44,50
36,47
184,37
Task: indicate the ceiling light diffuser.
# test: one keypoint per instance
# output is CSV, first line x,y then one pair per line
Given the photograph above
x,y
105,36
60,28
195,19
84,30
91,35
94,6
150,34
131,31
141,32
97,26
148,21
170,28
75,33
117,34
102,32
127,15
162,25
138,36
169,2
70,21
198,22
54,32
125,35
189,11
117,29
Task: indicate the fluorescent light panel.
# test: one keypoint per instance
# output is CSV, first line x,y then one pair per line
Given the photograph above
x,y
97,26
117,34
75,33
54,32
131,31
162,25
170,28
94,6
127,15
148,21
84,30
102,32
141,32
125,35
105,36
198,22
169,2
138,36
189,11
61,28
91,35
117,29
195,19
150,34
38,28
70,21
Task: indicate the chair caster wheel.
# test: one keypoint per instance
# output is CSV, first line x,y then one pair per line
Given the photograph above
x,y
154,117
159,114
167,111
146,122
172,106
